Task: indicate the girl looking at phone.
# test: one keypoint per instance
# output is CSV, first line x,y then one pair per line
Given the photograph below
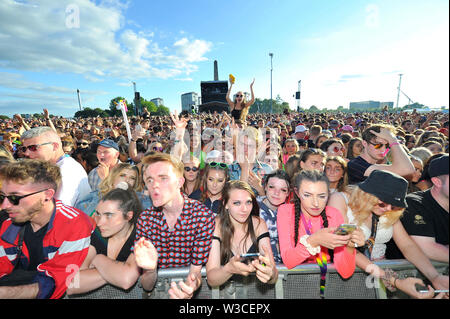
x,y
306,228
376,206
239,230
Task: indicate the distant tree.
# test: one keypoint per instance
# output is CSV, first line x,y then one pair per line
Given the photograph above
x,y
4,117
162,110
313,109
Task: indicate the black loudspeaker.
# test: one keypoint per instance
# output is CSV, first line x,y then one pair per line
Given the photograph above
x,y
214,91
297,95
137,96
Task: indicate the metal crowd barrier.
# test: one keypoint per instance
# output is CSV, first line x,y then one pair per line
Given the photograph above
x,y
301,282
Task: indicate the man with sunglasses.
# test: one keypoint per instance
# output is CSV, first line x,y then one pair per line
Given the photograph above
x,y
378,140
44,143
44,242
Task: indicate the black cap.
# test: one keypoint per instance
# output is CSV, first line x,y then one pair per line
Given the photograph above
x,y
387,187
438,166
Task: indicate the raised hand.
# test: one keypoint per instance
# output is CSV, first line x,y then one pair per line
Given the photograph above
x,y
179,123
146,254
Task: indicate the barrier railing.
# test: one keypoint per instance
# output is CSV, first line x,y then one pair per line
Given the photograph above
x,y
297,283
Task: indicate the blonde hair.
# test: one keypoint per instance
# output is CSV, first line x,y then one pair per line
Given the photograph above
x,y
362,203
107,184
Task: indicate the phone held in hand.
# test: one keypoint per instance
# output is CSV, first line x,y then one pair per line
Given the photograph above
x,y
247,258
345,229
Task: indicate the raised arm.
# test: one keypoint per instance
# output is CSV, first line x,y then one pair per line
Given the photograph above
x,y
401,163
252,100
230,102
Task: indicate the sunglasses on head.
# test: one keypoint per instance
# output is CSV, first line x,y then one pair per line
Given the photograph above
x,y
15,199
188,169
157,149
379,145
33,148
217,164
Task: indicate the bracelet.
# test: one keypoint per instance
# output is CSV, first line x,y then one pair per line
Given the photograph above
x,y
312,250
396,143
176,141
388,275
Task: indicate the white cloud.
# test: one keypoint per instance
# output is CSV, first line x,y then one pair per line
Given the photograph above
x,y
37,37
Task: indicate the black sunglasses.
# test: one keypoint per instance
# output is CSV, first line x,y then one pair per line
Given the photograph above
x,y
188,169
82,143
220,165
157,149
15,199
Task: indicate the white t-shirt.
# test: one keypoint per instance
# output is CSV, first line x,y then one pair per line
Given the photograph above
x,y
74,184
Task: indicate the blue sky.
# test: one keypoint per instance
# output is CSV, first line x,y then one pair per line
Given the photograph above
x,y
342,51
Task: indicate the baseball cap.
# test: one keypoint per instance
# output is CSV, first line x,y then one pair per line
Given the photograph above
x,y
109,144
300,129
347,128
438,166
334,123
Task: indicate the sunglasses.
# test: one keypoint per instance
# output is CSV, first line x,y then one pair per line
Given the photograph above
x,y
379,145
33,148
337,149
157,149
15,199
188,169
82,143
383,205
239,95
217,164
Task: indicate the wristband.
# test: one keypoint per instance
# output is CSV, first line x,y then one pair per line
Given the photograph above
x,y
312,250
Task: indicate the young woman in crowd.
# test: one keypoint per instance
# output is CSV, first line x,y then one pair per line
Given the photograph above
x,y
292,165
320,139
240,230
192,178
333,147
306,229
376,206
290,148
239,107
213,183
312,158
277,190
115,218
414,178
355,148
120,174
336,171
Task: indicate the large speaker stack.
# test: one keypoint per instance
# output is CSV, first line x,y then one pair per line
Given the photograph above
x,y
214,94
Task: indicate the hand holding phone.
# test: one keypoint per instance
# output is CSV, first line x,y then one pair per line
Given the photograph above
x,y
247,258
345,229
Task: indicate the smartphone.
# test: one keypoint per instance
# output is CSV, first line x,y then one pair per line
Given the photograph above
x,y
437,291
247,258
1,137
345,229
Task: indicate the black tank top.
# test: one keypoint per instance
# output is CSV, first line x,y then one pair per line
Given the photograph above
x,y
236,114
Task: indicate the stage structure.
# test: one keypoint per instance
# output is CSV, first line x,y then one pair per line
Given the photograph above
x,y
214,94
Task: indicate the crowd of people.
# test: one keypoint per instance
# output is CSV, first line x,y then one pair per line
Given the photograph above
x,y
83,204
